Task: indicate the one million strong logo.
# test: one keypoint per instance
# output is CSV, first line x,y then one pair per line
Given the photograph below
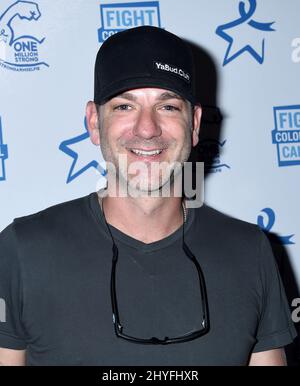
x,y
19,52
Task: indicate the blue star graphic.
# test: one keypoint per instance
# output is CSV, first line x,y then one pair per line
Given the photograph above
x,y
66,147
246,20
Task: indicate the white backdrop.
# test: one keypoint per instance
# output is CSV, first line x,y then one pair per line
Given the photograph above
x,y
47,53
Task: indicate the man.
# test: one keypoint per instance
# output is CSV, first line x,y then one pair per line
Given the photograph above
x,y
140,278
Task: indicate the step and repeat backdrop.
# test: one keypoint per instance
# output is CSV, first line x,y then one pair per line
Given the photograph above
x,y
251,72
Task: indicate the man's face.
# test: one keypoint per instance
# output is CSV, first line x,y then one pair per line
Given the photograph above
x,y
151,127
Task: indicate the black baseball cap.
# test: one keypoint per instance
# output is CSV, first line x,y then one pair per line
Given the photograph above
x,y
144,57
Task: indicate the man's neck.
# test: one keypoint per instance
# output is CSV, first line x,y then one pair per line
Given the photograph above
x,y
146,219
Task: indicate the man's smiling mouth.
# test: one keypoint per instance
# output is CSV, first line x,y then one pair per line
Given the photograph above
x,y
144,153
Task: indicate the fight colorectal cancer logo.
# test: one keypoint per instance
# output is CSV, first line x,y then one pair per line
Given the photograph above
x,y
20,51
121,16
286,134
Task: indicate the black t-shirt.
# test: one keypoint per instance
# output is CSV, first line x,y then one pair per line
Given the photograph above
x,y
55,269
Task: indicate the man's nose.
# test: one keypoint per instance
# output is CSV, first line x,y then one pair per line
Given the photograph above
x,y
147,125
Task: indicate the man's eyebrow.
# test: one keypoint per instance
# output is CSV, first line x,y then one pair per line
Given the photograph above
x,y
126,95
162,97
170,95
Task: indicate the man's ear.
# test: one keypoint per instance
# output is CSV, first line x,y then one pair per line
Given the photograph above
x,y
196,124
92,122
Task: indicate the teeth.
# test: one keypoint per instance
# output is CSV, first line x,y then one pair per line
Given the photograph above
x,y
143,152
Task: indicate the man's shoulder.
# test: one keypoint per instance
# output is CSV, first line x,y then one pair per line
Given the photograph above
x,y
226,224
242,242
54,217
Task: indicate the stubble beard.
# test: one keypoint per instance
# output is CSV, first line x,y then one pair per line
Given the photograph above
x,y
169,175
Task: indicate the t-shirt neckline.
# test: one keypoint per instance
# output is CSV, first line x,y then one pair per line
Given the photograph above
x,y
131,241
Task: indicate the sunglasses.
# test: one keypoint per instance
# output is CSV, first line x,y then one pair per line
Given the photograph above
x,y
191,335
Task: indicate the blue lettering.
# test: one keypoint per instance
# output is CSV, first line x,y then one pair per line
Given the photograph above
x,y
287,136
25,46
285,151
18,46
110,17
293,152
33,46
137,18
127,21
297,119
129,17
119,23
107,34
282,119
150,12
290,118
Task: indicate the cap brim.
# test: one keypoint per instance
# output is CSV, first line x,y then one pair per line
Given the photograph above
x,y
116,88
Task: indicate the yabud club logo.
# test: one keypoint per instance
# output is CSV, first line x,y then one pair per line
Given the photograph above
x,y
19,50
121,16
245,34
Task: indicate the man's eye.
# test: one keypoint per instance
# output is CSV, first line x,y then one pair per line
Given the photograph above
x,y
171,108
122,107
